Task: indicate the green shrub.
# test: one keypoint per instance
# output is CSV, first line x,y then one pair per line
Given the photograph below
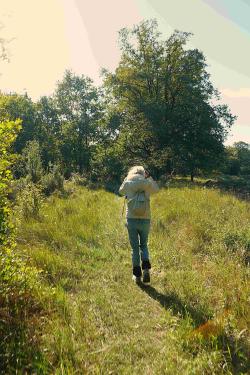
x,y
8,133
79,179
20,304
29,201
17,186
52,181
33,161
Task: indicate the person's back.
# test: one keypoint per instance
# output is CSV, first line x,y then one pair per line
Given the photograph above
x,y
138,224
134,184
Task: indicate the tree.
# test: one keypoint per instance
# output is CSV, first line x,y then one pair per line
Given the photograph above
x,y
243,155
165,95
48,131
33,161
14,107
79,109
231,162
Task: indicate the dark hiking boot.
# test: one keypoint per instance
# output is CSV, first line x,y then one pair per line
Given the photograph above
x,y
136,279
146,276
137,274
146,265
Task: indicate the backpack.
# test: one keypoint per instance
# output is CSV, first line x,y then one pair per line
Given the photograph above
x,y
138,204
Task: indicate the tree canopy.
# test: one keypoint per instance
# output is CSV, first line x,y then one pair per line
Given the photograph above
x,y
165,94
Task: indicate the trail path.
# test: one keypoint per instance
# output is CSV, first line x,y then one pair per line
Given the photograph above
x,y
129,323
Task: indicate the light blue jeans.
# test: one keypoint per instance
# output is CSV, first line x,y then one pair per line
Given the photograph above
x,y
138,231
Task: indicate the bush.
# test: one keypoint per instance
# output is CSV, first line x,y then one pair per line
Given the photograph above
x,y
29,201
8,132
21,307
17,186
79,179
19,284
33,161
52,181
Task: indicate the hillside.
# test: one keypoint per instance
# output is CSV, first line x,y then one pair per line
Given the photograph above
x,y
192,319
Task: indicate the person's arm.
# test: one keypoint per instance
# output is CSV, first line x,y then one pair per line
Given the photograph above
x,y
122,189
147,184
151,186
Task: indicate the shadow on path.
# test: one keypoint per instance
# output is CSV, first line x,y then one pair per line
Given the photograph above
x,y
236,350
173,302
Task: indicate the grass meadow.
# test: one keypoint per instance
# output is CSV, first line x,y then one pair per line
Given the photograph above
x,y
192,319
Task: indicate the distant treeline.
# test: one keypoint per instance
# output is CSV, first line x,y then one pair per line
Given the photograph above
x,y
157,109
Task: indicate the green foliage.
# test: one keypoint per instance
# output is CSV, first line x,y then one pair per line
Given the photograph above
x,y
21,299
53,180
49,130
32,161
232,163
78,179
237,159
29,201
8,133
107,163
243,151
14,107
78,106
19,283
239,185
164,94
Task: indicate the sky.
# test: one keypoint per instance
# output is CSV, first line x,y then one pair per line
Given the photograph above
x,y
46,37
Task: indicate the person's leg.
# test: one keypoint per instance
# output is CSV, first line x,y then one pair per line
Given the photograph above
x,y
143,234
143,231
134,242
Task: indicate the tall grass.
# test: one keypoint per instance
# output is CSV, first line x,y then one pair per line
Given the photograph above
x,y
193,318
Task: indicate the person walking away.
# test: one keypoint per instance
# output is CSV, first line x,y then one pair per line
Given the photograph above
x,y
137,187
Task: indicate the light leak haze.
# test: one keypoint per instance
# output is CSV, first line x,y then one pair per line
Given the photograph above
x,y
46,37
